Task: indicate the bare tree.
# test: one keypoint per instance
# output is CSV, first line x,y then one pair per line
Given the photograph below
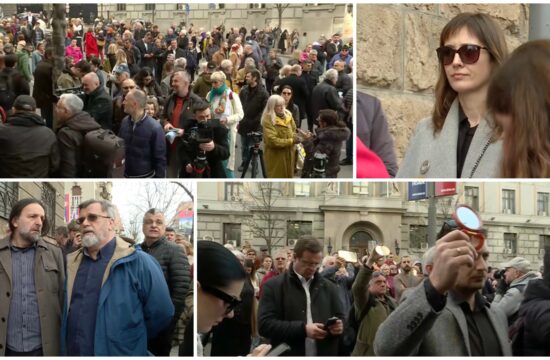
x,y
280,10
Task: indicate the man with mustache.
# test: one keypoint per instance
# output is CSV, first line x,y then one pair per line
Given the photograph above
x,y
31,285
174,265
446,315
116,296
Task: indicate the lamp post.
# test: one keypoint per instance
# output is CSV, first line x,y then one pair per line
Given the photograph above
x,y
397,248
329,247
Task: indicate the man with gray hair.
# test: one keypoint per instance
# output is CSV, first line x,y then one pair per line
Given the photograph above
x,y
97,102
144,139
116,296
325,96
73,124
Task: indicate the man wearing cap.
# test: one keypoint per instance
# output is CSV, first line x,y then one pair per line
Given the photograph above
x,y
343,55
97,102
29,148
121,72
203,85
511,289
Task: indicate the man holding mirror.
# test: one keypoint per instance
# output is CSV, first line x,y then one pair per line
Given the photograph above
x,y
446,315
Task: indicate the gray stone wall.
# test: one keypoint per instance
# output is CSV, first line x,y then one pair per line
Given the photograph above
x,y
397,59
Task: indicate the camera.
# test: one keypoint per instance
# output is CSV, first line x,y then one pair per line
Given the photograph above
x,y
499,274
78,91
255,136
319,165
200,134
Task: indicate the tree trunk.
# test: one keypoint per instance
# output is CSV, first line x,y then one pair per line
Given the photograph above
x,y
59,27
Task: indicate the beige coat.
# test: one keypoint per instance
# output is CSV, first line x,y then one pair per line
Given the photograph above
x,y
49,277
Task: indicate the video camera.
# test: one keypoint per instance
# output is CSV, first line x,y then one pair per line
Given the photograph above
x,y
78,91
319,165
200,134
255,136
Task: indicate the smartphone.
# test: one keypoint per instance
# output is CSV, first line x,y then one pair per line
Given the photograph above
x,y
331,321
279,350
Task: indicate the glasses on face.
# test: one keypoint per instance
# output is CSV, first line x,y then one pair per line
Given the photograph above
x,y
469,54
90,218
231,302
151,222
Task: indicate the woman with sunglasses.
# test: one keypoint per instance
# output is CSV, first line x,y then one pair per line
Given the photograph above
x,y
519,98
286,94
458,141
220,280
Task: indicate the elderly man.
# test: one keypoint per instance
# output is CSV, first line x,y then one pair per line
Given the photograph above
x,y
325,96
28,147
97,102
178,113
31,278
144,139
509,295
446,315
73,124
116,295
296,305
174,265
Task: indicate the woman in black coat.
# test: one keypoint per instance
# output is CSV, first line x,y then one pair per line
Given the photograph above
x,y
282,42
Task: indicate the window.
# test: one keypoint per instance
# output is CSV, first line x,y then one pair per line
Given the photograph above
x,y
48,198
233,191
180,7
149,7
361,188
76,199
508,201
301,189
295,229
362,243
544,241
510,243
120,7
471,194
9,192
418,237
232,234
256,6
542,204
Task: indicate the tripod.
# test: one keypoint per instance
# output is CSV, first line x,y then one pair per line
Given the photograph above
x,y
254,154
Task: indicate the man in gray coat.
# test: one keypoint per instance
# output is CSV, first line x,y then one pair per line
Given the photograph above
x,y
31,282
446,315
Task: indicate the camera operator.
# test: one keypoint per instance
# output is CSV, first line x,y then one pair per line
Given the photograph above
x,y
446,315
253,98
511,286
206,146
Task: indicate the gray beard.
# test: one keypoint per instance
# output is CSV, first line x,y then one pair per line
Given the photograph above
x,y
33,239
89,240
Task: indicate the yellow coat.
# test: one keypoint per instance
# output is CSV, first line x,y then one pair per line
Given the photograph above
x,y
279,152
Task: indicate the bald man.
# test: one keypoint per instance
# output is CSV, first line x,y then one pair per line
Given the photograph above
x,y
97,101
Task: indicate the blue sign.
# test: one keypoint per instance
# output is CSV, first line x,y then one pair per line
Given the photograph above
x,y
418,190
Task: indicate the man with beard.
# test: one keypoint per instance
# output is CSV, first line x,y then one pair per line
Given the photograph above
x,y
31,278
405,279
116,295
174,264
446,315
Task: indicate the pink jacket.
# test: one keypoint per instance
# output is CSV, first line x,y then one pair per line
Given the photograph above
x,y
75,53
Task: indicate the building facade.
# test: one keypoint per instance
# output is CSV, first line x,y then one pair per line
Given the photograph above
x,y
360,215
50,193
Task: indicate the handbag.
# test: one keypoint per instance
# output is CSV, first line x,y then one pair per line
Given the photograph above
x,y
300,156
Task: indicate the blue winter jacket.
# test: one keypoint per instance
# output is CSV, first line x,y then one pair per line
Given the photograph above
x,y
134,302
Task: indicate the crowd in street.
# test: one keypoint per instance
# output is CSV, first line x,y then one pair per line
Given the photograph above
x,y
177,102
449,303
89,291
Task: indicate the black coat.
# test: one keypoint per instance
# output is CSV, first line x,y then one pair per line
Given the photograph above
x,y
188,152
253,101
100,106
149,62
28,147
325,96
43,84
536,310
282,312
300,93
70,138
328,141
175,267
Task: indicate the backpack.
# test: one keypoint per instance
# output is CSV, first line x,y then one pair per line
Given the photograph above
x,y
7,93
103,154
353,329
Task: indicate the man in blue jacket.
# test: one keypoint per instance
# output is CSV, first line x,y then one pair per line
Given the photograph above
x,y
116,297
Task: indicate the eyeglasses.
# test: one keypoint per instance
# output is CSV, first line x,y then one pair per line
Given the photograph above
x,y
90,218
231,302
469,54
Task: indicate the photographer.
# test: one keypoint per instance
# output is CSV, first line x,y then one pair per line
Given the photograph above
x,y
446,315
511,286
205,146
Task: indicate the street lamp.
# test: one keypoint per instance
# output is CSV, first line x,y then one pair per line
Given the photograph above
x,y
397,248
329,247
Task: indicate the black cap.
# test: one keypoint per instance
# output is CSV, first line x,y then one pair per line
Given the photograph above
x,y
24,102
211,65
345,47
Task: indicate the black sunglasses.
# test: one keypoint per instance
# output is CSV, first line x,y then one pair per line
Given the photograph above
x,y
91,218
230,301
469,54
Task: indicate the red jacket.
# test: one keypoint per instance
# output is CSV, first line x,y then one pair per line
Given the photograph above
x,y
90,43
369,164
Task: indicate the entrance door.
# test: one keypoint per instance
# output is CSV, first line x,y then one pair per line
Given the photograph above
x,y
362,243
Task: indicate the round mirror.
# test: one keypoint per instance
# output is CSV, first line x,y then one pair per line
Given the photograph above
x,y
468,218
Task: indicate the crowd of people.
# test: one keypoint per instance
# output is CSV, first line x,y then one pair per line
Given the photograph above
x,y
490,116
91,292
177,101
449,303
